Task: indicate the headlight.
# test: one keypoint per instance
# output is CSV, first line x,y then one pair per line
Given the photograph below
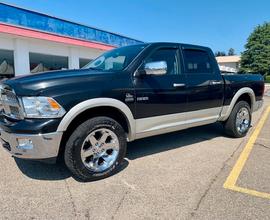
x,y
42,107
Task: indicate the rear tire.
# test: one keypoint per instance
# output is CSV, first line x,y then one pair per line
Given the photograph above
x,y
238,123
95,149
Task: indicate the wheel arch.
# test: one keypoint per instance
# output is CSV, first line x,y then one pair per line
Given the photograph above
x,y
100,107
243,94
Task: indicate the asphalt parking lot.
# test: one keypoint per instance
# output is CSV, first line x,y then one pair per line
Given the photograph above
x,y
193,174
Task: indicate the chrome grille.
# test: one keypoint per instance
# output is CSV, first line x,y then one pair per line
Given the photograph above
x,y
9,104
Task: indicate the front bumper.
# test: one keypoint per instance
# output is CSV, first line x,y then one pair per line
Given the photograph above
x,y
43,146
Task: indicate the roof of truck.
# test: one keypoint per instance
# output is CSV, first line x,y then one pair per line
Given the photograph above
x,y
184,45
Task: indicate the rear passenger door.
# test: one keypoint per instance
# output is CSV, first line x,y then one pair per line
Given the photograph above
x,y
205,86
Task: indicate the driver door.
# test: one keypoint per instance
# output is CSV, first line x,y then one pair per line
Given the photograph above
x,y
161,100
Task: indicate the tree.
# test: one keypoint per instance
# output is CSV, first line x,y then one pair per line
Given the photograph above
x,y
220,53
231,52
256,57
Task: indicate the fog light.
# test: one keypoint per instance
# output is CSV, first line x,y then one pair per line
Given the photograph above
x,y
25,144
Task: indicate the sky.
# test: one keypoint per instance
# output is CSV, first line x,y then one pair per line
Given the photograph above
x,y
215,23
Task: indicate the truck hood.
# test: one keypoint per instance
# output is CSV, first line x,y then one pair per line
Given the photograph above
x,y
36,84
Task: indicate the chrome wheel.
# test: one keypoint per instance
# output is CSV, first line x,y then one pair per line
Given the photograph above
x,y
242,120
100,150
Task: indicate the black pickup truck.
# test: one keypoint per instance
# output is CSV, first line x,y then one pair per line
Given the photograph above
x,y
88,115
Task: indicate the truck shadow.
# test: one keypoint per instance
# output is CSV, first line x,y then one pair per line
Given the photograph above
x,y
42,171
166,142
50,172
136,149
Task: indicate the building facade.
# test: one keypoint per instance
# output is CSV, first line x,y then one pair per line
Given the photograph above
x,y
32,42
230,64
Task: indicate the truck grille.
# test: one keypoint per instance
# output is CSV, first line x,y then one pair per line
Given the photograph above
x,y
9,104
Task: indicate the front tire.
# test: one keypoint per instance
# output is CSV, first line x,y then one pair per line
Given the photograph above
x,y
95,149
238,123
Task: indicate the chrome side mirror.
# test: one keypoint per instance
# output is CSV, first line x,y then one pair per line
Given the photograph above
x,y
156,68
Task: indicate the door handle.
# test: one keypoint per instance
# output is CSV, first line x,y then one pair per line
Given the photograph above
x,y
215,82
177,85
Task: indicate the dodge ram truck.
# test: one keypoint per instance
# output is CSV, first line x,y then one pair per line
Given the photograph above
x,y
87,116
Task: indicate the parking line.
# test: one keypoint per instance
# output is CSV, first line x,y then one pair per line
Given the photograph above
x,y
251,192
237,169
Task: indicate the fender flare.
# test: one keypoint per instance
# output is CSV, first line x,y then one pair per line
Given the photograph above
x,y
99,102
226,110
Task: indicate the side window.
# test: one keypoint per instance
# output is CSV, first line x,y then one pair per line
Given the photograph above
x,y
197,61
170,56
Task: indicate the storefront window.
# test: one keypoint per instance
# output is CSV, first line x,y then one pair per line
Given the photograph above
x,y
6,64
42,62
84,61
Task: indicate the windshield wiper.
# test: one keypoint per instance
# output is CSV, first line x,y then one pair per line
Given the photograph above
x,y
95,68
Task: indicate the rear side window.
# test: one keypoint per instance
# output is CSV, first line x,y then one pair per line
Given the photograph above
x,y
197,61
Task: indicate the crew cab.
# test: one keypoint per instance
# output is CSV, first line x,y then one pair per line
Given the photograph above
x,y
133,92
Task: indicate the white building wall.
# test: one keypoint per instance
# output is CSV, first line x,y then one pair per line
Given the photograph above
x,y
21,57
73,59
6,43
23,46
229,67
229,63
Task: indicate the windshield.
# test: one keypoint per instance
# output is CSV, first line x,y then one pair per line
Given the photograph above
x,y
117,59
